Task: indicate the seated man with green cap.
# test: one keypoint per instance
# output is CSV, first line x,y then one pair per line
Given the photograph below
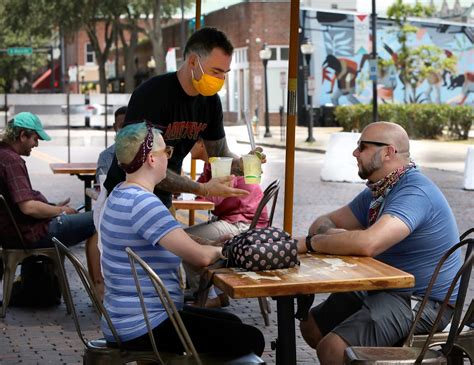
x,y
37,219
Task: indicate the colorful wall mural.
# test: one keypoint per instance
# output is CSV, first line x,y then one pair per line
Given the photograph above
x,y
343,77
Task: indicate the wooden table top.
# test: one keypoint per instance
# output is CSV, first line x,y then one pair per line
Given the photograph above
x,y
178,204
316,274
193,204
86,168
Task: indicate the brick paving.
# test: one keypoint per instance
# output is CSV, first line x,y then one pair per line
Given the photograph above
x,y
48,336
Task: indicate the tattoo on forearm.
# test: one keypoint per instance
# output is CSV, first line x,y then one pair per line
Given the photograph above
x,y
217,148
175,183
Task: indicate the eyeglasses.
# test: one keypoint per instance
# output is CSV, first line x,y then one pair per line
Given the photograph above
x,y
361,145
168,151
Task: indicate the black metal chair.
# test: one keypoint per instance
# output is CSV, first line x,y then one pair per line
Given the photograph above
x,y
190,353
14,251
96,351
270,193
409,354
465,337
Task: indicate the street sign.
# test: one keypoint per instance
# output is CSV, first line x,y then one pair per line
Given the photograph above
x,y
19,51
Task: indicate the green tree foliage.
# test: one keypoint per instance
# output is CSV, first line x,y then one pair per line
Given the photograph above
x,y
18,72
123,20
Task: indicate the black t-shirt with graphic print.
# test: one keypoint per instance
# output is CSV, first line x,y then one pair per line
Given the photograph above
x,y
182,118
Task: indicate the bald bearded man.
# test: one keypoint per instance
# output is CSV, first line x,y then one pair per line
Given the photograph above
x,y
402,219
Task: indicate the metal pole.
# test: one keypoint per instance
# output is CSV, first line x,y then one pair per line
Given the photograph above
x,y
105,114
63,60
52,69
182,28
117,81
374,57
6,106
291,117
267,116
193,161
68,118
309,106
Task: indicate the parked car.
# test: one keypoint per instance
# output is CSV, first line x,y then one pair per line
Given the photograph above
x,y
88,109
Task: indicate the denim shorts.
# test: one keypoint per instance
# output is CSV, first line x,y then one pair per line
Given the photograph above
x,y
378,318
70,229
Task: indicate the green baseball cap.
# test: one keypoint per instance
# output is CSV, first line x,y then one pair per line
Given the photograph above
x,y
30,121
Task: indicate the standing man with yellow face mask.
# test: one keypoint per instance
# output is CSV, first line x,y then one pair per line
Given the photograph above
x,y
186,107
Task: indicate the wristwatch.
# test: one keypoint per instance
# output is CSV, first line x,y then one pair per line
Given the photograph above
x,y
308,243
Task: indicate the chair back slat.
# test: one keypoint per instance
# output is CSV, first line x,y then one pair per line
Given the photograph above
x,y
167,303
271,192
409,339
86,280
7,209
467,233
463,274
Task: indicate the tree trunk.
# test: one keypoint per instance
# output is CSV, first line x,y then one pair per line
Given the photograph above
x,y
131,27
156,38
129,59
102,76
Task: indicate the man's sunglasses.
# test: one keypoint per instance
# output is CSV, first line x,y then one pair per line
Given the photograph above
x,y
168,150
361,145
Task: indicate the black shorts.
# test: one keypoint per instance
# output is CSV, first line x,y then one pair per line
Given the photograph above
x,y
379,318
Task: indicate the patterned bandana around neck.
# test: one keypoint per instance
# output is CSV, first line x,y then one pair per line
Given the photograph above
x,y
382,188
142,152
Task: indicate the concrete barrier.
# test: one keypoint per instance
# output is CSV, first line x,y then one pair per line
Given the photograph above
x,y
469,169
339,164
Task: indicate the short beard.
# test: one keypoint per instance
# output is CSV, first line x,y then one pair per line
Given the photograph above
x,y
373,165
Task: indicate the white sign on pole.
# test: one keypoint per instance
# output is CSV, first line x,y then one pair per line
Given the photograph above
x,y
283,79
311,85
72,73
373,70
361,33
257,82
171,60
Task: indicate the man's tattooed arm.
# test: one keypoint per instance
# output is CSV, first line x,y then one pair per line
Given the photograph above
x,y
175,183
219,148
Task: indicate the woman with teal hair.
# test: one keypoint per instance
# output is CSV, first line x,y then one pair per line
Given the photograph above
x,y
135,217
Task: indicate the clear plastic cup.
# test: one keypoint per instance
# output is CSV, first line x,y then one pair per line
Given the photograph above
x,y
252,169
220,166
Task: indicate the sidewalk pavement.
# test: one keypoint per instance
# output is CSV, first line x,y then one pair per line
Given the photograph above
x,y
443,155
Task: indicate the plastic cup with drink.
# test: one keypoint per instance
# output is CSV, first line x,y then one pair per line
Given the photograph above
x,y
220,166
252,169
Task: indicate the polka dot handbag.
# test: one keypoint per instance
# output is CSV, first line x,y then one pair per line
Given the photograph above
x,y
261,249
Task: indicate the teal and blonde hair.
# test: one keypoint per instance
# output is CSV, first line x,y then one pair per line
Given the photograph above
x,y
130,138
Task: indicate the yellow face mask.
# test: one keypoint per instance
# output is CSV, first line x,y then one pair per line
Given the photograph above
x,y
208,85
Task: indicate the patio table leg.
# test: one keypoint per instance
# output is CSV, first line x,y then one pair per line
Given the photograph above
x,y
286,342
87,184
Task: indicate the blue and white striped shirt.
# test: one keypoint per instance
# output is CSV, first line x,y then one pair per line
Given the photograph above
x,y
136,218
